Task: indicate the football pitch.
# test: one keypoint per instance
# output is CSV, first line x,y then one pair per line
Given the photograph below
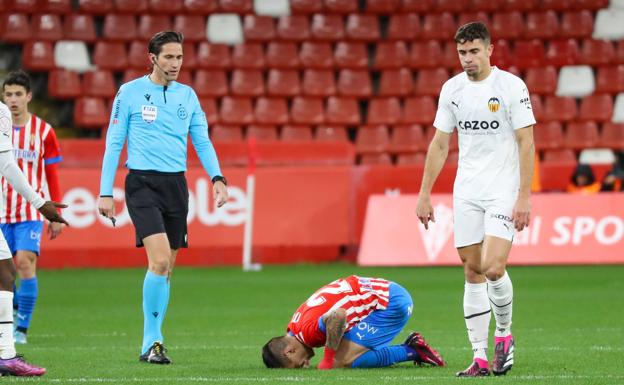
x,y
568,324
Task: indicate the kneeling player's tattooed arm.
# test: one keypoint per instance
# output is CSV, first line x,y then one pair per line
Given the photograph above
x,y
335,322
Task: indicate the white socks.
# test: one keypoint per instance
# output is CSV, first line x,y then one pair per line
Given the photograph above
x,y
500,293
7,344
477,317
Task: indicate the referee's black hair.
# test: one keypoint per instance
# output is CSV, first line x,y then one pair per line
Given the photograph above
x,y
17,78
161,38
271,353
472,31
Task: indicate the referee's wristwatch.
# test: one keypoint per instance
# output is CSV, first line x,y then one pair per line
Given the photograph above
x,y
219,178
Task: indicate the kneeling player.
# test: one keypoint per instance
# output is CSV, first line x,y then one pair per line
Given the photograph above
x,y
355,318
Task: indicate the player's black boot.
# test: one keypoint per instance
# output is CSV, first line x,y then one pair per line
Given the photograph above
x,y
156,355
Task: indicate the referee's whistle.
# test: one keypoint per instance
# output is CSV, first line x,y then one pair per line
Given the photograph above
x,y
113,220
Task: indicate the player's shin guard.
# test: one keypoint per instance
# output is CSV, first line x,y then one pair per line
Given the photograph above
x,y
380,358
7,344
477,317
500,293
154,302
26,300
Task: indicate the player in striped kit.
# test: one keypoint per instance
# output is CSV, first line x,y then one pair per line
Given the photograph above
x,y
37,154
356,319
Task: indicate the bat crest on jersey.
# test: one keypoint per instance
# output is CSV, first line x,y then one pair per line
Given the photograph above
x,y
494,104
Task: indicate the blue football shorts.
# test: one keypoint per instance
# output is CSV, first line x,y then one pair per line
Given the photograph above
x,y
23,236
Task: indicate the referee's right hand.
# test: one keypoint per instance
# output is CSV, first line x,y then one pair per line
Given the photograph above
x,y
106,207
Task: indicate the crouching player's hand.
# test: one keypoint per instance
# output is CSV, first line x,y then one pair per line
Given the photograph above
x,y
328,359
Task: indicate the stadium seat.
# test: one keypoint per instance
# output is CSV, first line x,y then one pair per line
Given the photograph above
x,y
579,24
375,159
384,111
420,6
170,7
190,56
597,52
200,7
429,81
403,26
293,28
537,106
236,6
467,17
316,55
562,52
193,27
529,53
209,106
306,6
149,25
119,27
136,7
610,79
618,109
501,56
95,7
438,26
563,109
262,132
72,55
619,52
222,133
452,6
64,84
272,8
236,111
608,24
556,168
224,28
596,107
46,27
580,135
354,83
318,83
411,158
306,110
331,133
398,82
210,83
591,5
542,25
248,55
372,139
344,111
450,58
282,55
137,55
213,56
247,83
14,27
351,55
520,5
408,138
132,73
390,55
362,28
99,83
55,6
426,54
484,6
38,56
612,136
296,133
576,81
185,77
284,83
90,112
556,5
79,27
327,27
548,136
344,7
453,143
384,7
507,25
541,80
110,55
271,111
258,28
420,110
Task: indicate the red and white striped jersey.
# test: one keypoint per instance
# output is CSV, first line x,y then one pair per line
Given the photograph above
x,y
359,297
34,146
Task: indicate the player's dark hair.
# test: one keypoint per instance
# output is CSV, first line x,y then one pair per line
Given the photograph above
x,y
161,38
17,78
271,353
472,31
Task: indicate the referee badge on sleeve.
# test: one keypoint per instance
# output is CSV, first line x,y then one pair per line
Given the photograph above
x,y
149,113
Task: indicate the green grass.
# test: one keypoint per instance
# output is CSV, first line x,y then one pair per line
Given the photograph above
x,y
568,323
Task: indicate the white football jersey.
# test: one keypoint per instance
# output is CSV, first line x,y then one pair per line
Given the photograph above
x,y
486,114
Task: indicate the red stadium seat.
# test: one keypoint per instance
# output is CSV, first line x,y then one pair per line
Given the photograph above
x,y
467,17
38,56
258,28
529,53
430,81
14,27
376,159
537,106
271,111
319,83
452,6
283,83
408,138
210,83
340,6
282,55
90,112
591,5
316,55
556,169
236,6
351,55
403,26
327,27
190,56
293,28
331,133
426,54
562,52
541,80
562,109
296,133
307,111
99,83
619,52
597,52
362,27
439,26
110,55
596,107
520,5
411,158
450,58
137,55
580,135
193,27
612,135
136,7
200,7
556,5
397,82
372,139
54,6
391,55
542,25
149,25
185,77
170,7
577,25
46,27
133,73
213,56
548,136
306,6
236,111
386,7
420,6
354,83
610,79
501,55
507,25
119,27
79,27
95,7
64,84
209,106
484,6
248,55
221,133
384,111
247,83
262,132
343,111
421,110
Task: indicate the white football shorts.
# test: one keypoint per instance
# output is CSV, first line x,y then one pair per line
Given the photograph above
x,y
474,219
5,252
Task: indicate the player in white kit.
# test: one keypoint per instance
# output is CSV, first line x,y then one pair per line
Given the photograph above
x,y
491,111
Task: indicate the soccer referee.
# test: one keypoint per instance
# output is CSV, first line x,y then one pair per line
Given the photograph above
x,y
156,114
